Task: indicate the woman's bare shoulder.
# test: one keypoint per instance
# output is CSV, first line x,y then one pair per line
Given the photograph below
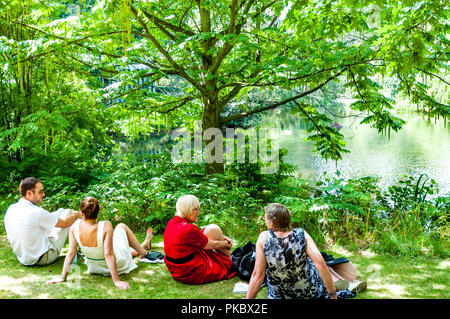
x,y
107,226
262,238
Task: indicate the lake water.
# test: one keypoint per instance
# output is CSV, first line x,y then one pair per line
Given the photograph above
x,y
421,147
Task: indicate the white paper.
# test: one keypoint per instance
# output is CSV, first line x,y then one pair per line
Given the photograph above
x,y
240,287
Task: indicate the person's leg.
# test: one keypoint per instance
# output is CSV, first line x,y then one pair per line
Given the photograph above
x,y
346,271
339,282
334,274
214,232
49,257
136,248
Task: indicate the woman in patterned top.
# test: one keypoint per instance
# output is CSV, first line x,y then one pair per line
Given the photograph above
x,y
295,266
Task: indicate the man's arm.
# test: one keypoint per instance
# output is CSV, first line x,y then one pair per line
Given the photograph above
x,y
69,220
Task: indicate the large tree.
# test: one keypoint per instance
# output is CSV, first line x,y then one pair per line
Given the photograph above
x,y
217,51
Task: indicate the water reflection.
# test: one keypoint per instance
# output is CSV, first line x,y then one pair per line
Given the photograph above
x,y
422,146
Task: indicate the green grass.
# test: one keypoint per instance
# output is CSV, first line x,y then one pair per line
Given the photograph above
x,y
387,277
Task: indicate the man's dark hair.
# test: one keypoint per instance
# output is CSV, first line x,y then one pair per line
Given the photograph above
x,y
28,183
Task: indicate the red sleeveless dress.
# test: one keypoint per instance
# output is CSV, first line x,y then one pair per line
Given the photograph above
x,y
183,240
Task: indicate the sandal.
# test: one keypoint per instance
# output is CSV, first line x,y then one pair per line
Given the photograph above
x,y
357,287
341,285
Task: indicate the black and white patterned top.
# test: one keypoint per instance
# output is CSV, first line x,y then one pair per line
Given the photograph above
x,y
290,272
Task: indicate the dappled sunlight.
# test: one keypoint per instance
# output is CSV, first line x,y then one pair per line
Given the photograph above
x,y
17,285
4,243
368,253
373,272
342,251
158,244
148,272
439,287
384,290
421,267
13,285
415,279
140,280
419,277
445,264
381,285
395,290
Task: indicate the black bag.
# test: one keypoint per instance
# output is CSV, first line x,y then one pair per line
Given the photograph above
x,y
331,261
243,260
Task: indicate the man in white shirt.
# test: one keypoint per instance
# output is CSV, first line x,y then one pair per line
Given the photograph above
x,y
36,235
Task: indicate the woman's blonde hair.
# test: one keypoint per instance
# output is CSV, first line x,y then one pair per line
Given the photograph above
x,y
185,205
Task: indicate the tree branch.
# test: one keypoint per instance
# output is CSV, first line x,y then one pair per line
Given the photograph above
x,y
312,121
275,105
434,75
159,23
64,39
230,96
405,83
185,13
183,102
359,92
332,113
121,94
254,84
236,29
78,71
235,91
93,66
233,12
419,23
181,71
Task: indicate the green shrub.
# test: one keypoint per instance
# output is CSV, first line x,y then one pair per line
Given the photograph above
x,y
142,190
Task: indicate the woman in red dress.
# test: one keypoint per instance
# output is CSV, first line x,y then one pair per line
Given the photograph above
x,y
195,256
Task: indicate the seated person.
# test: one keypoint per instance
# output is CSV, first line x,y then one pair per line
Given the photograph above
x,y
36,236
106,252
291,261
195,256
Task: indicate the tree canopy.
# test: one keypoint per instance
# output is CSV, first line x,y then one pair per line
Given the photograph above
x,y
81,67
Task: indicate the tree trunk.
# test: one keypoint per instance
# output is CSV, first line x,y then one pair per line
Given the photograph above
x,y
212,132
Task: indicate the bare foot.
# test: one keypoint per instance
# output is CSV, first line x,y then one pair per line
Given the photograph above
x,y
147,244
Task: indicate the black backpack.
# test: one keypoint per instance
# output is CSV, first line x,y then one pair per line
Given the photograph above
x,y
243,260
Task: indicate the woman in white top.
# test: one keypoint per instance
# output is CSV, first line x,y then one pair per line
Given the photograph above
x,y
106,252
